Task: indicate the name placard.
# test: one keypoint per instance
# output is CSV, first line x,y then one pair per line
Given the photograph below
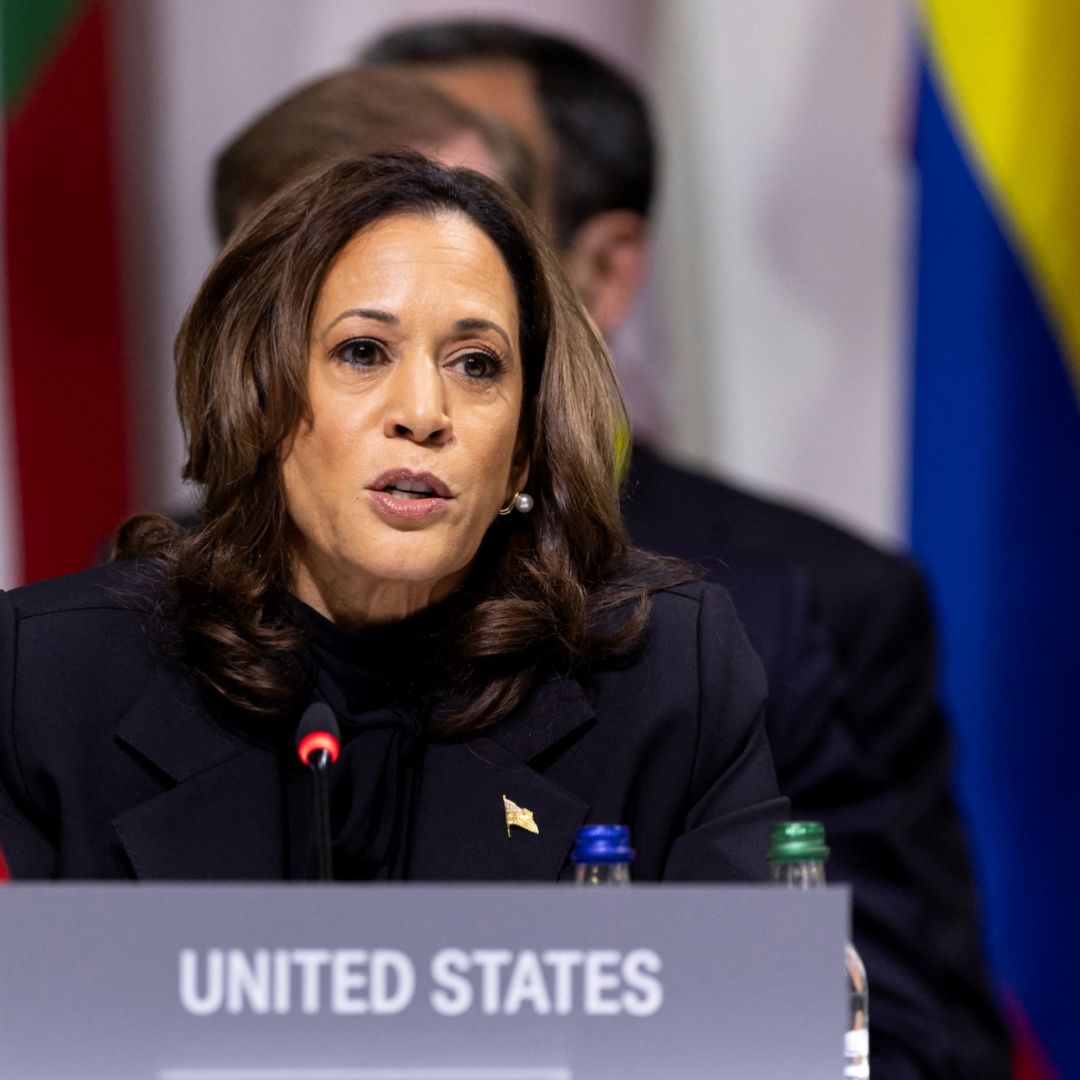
x,y
501,982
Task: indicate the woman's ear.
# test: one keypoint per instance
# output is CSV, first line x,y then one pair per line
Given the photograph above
x,y
606,261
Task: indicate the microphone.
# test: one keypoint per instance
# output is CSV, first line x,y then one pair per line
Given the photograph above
x,y
4,874
318,744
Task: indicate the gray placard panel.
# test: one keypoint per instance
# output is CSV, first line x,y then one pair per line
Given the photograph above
x,y
308,982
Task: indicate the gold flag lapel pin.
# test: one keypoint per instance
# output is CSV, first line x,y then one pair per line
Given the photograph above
x,y
519,816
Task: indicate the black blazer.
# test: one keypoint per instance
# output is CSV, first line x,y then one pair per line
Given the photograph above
x,y
905,851
114,765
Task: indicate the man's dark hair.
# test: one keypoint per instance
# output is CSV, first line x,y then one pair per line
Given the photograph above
x,y
606,146
347,114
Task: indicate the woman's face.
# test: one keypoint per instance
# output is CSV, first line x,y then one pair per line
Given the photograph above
x,y
415,386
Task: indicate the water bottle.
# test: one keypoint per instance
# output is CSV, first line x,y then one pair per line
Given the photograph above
x,y
602,855
797,857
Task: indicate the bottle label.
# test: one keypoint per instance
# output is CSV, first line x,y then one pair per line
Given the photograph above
x,y
857,1054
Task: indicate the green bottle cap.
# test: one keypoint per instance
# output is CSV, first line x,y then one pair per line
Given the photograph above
x,y
798,841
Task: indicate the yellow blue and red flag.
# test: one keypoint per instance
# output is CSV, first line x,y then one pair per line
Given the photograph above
x,y
996,471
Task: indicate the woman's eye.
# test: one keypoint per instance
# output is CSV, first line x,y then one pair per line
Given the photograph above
x,y
359,352
479,365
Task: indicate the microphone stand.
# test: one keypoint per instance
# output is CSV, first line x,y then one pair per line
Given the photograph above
x,y
319,763
318,743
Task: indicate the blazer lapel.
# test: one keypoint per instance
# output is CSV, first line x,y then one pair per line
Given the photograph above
x,y
222,816
460,829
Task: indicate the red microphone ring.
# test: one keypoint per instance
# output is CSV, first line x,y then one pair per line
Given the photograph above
x,y
318,740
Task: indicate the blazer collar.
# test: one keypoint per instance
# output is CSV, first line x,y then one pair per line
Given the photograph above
x,y
229,809
555,710
170,727
221,813
460,829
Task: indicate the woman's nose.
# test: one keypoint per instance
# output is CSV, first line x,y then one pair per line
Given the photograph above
x,y
416,408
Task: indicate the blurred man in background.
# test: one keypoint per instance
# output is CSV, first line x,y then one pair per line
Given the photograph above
x,y
588,129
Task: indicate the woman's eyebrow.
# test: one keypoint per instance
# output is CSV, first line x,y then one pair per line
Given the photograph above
x,y
363,313
483,324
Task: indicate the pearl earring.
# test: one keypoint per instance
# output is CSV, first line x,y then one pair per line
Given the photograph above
x,y
522,502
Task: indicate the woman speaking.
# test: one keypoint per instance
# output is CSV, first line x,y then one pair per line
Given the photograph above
x,y
404,430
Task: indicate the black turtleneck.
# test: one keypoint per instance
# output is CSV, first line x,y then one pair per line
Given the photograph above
x,y
378,682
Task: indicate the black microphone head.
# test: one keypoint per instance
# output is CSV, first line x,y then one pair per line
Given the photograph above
x,y
318,730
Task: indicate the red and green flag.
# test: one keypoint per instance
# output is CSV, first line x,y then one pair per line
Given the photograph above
x,y
64,430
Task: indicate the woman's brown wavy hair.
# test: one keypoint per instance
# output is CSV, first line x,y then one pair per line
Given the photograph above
x,y
550,590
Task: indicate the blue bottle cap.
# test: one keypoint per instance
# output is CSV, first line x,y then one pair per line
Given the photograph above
x,y
603,844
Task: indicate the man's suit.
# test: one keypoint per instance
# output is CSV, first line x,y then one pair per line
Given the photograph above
x,y
114,764
876,612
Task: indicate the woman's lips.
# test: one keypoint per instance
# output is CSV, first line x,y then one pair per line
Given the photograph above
x,y
413,481
404,495
408,507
